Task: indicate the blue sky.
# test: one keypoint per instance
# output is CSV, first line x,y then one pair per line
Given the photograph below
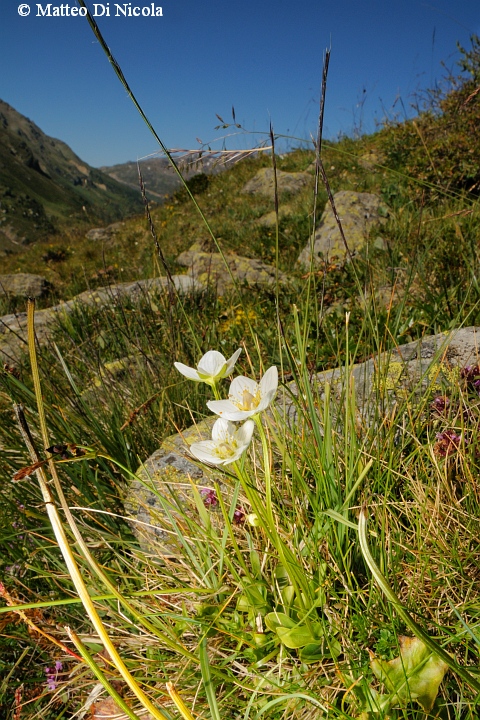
x,y
200,58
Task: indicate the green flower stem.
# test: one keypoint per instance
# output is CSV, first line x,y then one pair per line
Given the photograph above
x,y
252,494
415,628
266,470
216,391
267,520
231,534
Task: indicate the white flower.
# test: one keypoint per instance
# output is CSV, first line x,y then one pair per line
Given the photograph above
x,y
228,443
246,397
212,367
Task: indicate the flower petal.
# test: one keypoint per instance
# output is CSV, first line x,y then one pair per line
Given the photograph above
x,y
239,385
231,362
211,364
244,433
228,443
205,451
269,382
189,372
222,429
228,411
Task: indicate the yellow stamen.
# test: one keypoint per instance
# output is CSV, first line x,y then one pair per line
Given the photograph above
x,y
249,401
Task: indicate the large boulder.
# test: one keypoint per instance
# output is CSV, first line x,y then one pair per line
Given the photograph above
x,y
210,269
23,285
269,220
163,485
432,365
358,212
263,183
13,327
105,233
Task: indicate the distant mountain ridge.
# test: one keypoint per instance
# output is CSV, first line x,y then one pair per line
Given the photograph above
x,y
158,175
44,185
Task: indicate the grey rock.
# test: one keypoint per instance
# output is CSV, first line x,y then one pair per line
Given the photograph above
x,y
269,220
358,213
187,257
433,363
263,183
164,484
23,285
13,327
209,269
105,233
165,479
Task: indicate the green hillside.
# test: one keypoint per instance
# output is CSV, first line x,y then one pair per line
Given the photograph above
x,y
158,177
45,187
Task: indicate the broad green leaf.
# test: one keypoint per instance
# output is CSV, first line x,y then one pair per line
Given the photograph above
x,y
299,636
278,619
281,576
288,595
313,652
415,675
254,598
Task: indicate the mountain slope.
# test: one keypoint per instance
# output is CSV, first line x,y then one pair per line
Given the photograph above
x,y
157,174
44,185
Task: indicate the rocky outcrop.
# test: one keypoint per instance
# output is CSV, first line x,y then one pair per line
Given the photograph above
x,y
163,481
13,327
104,233
23,285
206,269
263,183
269,220
209,269
358,212
432,364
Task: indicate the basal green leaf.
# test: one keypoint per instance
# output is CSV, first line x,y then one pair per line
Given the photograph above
x,y
278,619
299,636
415,675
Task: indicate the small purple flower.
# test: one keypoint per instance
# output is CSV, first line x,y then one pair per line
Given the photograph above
x,y
238,516
440,404
51,684
51,675
470,373
209,497
447,443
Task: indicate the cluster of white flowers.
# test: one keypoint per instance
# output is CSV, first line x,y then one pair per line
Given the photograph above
x,y
245,399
